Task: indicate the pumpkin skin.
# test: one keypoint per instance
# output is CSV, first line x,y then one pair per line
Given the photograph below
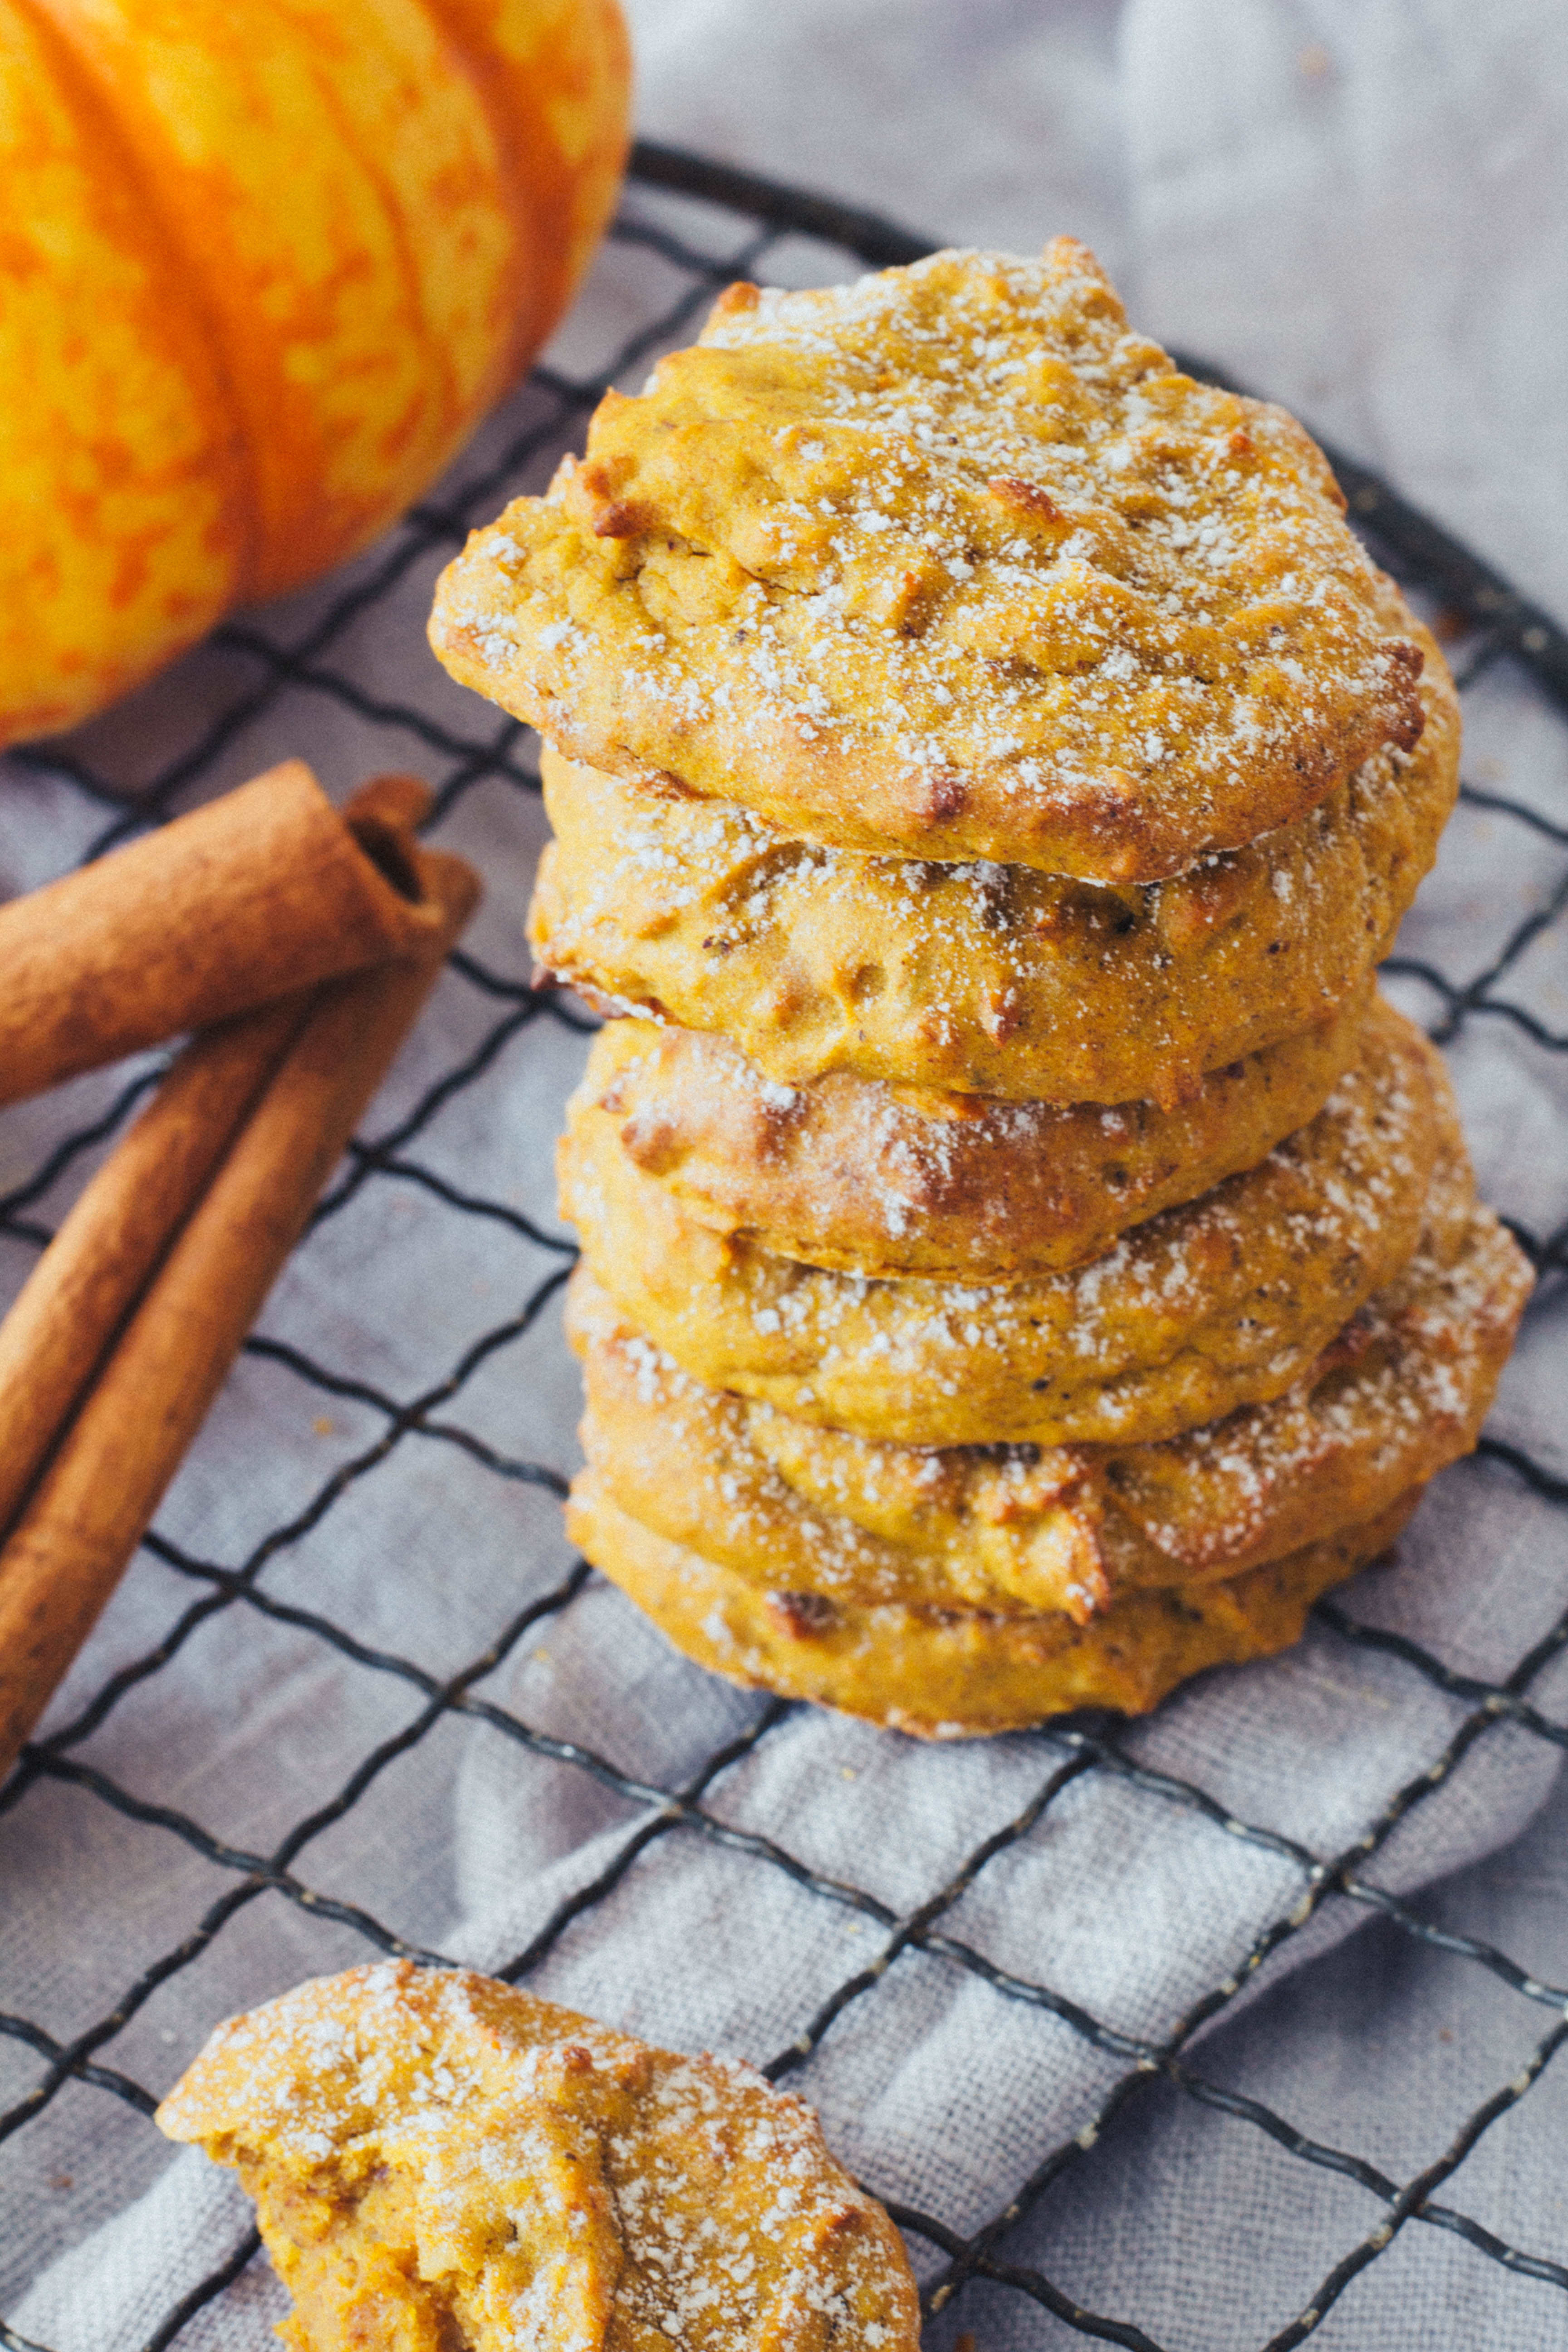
x,y
262,268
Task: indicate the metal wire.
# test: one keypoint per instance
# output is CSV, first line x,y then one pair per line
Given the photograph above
x,y
1502,624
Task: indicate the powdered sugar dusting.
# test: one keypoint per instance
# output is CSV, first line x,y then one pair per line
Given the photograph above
x,y
956,529
546,2180
1220,1302
988,980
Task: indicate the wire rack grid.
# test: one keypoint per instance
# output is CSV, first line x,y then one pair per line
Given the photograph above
x,y
671,252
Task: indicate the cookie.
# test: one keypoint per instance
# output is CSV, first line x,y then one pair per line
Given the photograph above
x,y
439,2160
947,561
945,1674
1010,1531
986,979
1223,1302
879,1180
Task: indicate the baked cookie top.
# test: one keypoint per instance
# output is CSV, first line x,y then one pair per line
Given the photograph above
x,y
436,2151
879,1180
1023,1529
991,979
950,562
1223,1301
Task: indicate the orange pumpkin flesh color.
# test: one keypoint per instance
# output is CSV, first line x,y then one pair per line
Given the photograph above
x,y
262,268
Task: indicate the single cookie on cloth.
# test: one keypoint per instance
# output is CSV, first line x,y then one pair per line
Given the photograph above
x,y
988,979
439,2160
1011,1531
873,1179
951,1674
1223,1301
946,561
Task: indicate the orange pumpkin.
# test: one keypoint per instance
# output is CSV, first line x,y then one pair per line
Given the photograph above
x,y
262,266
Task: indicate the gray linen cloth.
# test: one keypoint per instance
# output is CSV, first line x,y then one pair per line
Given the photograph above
x,y
1351,208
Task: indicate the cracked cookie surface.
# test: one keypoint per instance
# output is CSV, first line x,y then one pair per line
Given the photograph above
x,y
986,979
948,560
1010,1531
1223,1301
442,2163
874,1178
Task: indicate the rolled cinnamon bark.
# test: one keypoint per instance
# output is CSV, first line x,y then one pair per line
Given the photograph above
x,y
261,893
70,1309
93,1503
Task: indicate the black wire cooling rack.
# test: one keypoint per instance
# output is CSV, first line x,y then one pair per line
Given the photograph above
x,y
724,224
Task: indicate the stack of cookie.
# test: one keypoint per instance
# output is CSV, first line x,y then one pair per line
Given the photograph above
x,y
1023,1261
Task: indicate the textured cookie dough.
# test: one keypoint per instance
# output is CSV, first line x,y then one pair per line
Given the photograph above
x,y
1398,1395
948,560
949,1675
1223,1302
987,979
439,2161
880,1180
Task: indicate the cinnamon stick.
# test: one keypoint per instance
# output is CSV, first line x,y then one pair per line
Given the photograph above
x,y
94,1499
71,1309
261,893
71,1306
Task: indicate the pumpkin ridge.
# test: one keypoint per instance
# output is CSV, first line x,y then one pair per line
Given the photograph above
x,y
86,96
336,387
568,205
435,400
525,296
264,268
